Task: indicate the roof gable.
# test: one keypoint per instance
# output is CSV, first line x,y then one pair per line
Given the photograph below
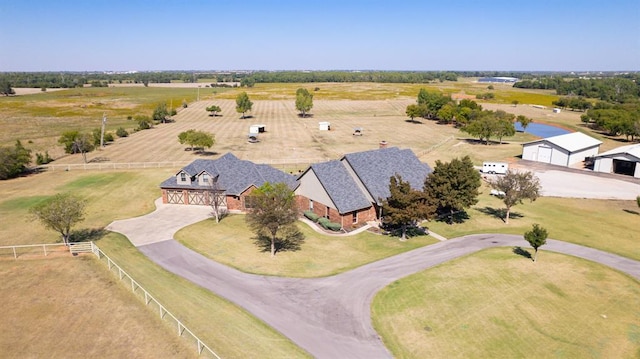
x,y
340,186
632,150
572,142
376,167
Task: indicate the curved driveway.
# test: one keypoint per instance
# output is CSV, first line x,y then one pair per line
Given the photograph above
x,y
328,317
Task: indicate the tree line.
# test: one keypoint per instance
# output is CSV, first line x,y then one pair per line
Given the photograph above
x,y
617,89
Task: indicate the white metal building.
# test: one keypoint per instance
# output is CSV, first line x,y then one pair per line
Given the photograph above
x,y
563,150
622,160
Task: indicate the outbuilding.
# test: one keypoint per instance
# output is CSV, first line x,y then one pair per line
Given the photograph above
x,y
257,128
563,150
622,160
324,126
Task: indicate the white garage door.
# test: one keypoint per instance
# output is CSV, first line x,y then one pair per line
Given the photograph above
x,y
544,154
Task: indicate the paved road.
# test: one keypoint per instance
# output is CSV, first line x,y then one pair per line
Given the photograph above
x,y
329,317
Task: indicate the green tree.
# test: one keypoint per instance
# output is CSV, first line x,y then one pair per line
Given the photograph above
x,y
121,132
243,104
76,142
453,186
432,101
515,103
516,186
524,121
504,128
273,211
304,101
414,111
144,122
160,113
537,237
60,213
195,139
214,110
5,88
484,126
404,206
14,161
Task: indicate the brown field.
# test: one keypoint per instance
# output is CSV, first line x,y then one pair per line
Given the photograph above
x,y
98,318
290,139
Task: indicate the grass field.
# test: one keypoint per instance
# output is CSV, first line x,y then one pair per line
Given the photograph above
x,y
230,242
97,318
496,304
609,225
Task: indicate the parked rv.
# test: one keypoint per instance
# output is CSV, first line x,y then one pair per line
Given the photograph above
x,y
495,167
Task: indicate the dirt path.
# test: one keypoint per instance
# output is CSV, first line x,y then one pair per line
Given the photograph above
x,y
329,317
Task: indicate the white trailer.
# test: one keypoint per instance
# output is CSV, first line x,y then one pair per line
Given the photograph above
x,y
495,167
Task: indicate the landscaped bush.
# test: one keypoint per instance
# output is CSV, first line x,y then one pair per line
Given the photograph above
x,y
332,226
322,220
312,216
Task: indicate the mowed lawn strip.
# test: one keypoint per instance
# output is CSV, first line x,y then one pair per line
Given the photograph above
x,y
226,328
71,307
608,225
231,242
497,304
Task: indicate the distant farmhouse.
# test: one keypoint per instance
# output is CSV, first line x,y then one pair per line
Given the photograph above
x,y
348,191
498,79
563,150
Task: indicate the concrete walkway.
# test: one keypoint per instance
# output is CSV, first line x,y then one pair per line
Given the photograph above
x,y
328,317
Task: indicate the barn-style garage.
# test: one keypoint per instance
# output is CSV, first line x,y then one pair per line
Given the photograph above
x,y
623,160
563,150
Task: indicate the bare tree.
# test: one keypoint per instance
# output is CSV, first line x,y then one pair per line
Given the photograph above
x,y
216,198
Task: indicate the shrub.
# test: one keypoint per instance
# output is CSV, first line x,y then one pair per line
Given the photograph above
x,y
43,159
121,132
312,216
108,137
322,221
332,226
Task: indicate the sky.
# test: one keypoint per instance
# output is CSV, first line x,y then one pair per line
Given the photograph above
x,y
459,35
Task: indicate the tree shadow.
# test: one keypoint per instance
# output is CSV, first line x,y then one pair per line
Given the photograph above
x,y
414,121
289,241
631,212
456,218
247,116
499,213
87,235
308,115
522,252
208,153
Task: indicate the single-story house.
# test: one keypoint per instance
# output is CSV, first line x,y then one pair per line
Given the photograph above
x,y
234,177
350,191
562,150
622,160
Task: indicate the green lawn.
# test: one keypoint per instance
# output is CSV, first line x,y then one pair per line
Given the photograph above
x,y
609,225
230,242
496,304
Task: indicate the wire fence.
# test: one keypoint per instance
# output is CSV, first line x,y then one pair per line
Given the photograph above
x,y
18,251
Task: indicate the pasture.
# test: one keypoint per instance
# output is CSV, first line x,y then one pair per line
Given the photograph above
x,y
39,119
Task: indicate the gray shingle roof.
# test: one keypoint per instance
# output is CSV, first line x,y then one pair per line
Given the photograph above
x,y
340,186
374,168
234,175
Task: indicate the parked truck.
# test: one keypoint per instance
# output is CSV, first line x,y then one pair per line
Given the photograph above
x,y
495,167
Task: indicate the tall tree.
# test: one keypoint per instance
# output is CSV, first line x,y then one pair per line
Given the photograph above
x,y
304,101
60,213
216,197
484,126
243,104
504,127
414,110
537,237
524,121
195,138
273,211
13,161
453,186
517,186
405,206
83,144
5,88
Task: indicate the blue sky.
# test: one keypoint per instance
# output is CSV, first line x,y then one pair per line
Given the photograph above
x,y
515,35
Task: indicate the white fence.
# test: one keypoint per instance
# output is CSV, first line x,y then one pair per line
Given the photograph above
x,y
111,166
90,247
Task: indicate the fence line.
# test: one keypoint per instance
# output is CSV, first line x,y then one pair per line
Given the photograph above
x,y
136,288
111,166
424,152
149,300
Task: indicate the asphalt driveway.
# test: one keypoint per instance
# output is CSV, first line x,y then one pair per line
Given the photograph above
x,y
328,317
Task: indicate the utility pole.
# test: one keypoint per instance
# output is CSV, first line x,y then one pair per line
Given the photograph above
x,y
104,123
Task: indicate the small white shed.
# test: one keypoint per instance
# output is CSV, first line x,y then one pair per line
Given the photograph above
x,y
622,160
563,150
257,128
324,126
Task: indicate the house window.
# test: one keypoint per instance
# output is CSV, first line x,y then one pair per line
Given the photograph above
x,y
183,177
354,217
311,205
205,179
